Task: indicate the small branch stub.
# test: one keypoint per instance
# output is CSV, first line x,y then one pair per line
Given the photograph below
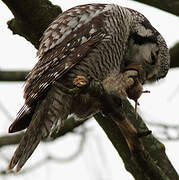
x,y
80,81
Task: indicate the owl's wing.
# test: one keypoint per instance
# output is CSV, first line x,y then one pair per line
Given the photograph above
x,y
65,42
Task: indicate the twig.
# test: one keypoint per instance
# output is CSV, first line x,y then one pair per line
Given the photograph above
x,y
69,126
50,157
5,111
13,75
165,128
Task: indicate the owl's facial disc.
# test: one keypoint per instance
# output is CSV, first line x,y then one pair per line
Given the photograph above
x,y
145,54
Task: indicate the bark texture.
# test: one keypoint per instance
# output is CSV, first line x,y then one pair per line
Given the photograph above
x,y
31,18
174,55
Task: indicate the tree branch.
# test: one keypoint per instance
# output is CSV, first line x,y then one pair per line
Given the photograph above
x,y
13,75
152,146
171,6
31,18
147,154
164,131
174,55
69,126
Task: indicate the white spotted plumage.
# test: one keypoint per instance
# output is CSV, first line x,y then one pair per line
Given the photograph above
x,y
66,22
65,28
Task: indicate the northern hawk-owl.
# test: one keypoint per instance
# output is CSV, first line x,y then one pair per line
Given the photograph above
x,y
95,41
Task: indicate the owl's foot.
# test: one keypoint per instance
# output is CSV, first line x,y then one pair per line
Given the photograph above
x,y
135,91
117,84
141,73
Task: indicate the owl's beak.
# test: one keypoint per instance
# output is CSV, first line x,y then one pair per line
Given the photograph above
x,y
150,76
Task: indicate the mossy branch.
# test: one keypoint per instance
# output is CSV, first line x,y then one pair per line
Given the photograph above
x,y
146,159
31,18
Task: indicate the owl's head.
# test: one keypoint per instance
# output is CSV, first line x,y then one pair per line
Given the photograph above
x,y
147,47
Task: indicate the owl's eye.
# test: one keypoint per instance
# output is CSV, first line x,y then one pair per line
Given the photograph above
x,y
154,56
153,59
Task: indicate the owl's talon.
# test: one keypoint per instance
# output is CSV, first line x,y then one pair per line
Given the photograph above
x,y
131,73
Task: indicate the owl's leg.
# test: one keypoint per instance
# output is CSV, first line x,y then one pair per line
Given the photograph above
x,y
116,84
119,115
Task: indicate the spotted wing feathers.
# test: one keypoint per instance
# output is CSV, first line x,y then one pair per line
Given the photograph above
x,y
66,42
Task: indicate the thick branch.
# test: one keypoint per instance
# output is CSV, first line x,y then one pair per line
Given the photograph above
x,y
31,18
148,158
152,146
171,6
174,54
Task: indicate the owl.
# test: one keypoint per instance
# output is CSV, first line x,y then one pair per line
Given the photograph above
x,y
98,42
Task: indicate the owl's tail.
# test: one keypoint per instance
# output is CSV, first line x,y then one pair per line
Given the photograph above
x,y
26,147
49,114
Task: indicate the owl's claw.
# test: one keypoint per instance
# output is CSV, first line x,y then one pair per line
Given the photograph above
x,y
137,103
128,78
117,83
141,73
